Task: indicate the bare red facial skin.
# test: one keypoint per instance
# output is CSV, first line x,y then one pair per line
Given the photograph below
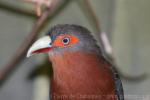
x,y
44,50
58,41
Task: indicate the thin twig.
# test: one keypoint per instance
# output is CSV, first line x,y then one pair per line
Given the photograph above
x,y
93,15
14,9
20,53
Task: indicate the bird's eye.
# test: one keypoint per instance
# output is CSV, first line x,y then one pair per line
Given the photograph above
x,y
65,40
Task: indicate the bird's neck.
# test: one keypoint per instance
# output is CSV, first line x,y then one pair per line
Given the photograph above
x,y
80,73
74,64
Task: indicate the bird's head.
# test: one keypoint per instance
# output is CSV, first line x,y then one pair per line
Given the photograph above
x,y
65,38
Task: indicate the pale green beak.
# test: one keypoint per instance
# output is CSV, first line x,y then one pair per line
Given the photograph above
x,y
41,45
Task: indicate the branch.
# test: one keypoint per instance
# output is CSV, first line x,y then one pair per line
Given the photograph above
x,y
21,52
17,10
89,12
93,16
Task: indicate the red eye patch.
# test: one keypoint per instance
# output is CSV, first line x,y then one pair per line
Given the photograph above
x,y
65,40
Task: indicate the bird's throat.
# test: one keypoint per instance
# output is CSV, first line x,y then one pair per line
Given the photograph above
x,y
78,74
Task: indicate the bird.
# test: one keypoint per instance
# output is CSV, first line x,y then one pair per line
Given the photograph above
x,y
80,69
